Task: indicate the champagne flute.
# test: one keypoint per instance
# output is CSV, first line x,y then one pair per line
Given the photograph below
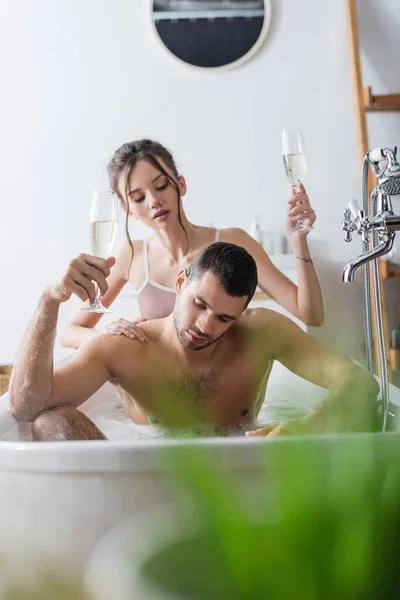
x,y
103,228
295,163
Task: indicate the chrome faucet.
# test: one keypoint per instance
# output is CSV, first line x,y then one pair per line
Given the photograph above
x,y
379,227
379,250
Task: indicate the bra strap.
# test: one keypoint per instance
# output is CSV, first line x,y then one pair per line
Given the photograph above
x,y
146,261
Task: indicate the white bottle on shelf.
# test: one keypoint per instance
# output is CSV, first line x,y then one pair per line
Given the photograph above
x,y
255,230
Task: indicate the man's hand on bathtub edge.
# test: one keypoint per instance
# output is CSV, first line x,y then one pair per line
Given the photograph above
x,y
293,427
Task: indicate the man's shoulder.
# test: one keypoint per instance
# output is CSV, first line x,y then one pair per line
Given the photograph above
x,y
108,345
121,354
264,321
152,329
255,317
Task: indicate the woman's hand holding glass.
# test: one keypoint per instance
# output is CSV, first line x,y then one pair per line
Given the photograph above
x,y
299,210
295,163
127,328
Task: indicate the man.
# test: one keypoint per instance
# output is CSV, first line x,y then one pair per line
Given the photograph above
x,y
208,363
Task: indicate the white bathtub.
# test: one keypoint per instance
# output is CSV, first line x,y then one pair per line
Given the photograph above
x,y
58,499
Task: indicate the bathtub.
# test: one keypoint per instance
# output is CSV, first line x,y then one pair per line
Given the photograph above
x,y
57,500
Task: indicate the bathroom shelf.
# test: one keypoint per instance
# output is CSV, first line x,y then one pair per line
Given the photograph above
x,y
394,358
389,270
385,103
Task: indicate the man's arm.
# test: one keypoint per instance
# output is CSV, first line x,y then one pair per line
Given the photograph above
x,y
33,387
353,390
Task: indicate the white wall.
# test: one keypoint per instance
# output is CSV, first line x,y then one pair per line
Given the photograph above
x,y
80,78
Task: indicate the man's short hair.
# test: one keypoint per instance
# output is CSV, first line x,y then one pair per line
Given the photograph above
x,y
234,268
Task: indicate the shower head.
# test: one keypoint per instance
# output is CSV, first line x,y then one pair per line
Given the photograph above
x,y
391,186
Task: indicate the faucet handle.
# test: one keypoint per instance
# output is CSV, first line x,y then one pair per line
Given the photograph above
x,y
347,225
347,236
354,208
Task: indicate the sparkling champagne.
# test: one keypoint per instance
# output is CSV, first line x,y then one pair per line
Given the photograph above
x,y
102,234
295,167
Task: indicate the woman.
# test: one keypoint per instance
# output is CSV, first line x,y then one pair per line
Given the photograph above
x,y
144,176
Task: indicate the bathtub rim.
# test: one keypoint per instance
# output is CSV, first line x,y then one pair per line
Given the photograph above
x,y
238,453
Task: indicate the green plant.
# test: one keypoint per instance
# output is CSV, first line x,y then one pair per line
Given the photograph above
x,y
328,529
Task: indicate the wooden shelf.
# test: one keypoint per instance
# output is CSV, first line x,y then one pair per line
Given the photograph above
x,y
383,103
394,359
389,270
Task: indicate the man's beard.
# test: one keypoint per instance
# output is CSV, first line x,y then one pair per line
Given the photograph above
x,y
180,332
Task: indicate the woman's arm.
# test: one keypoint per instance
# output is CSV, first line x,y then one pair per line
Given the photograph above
x,y
82,326
303,301
309,296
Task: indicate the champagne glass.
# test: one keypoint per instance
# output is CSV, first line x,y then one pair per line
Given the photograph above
x,y
295,163
103,228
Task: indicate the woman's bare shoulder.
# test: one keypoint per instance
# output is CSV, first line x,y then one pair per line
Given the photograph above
x,y
233,235
127,255
126,248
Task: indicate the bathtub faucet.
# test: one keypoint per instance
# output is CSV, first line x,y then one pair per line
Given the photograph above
x,y
378,228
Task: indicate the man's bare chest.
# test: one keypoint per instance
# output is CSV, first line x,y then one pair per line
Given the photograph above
x,y
222,394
